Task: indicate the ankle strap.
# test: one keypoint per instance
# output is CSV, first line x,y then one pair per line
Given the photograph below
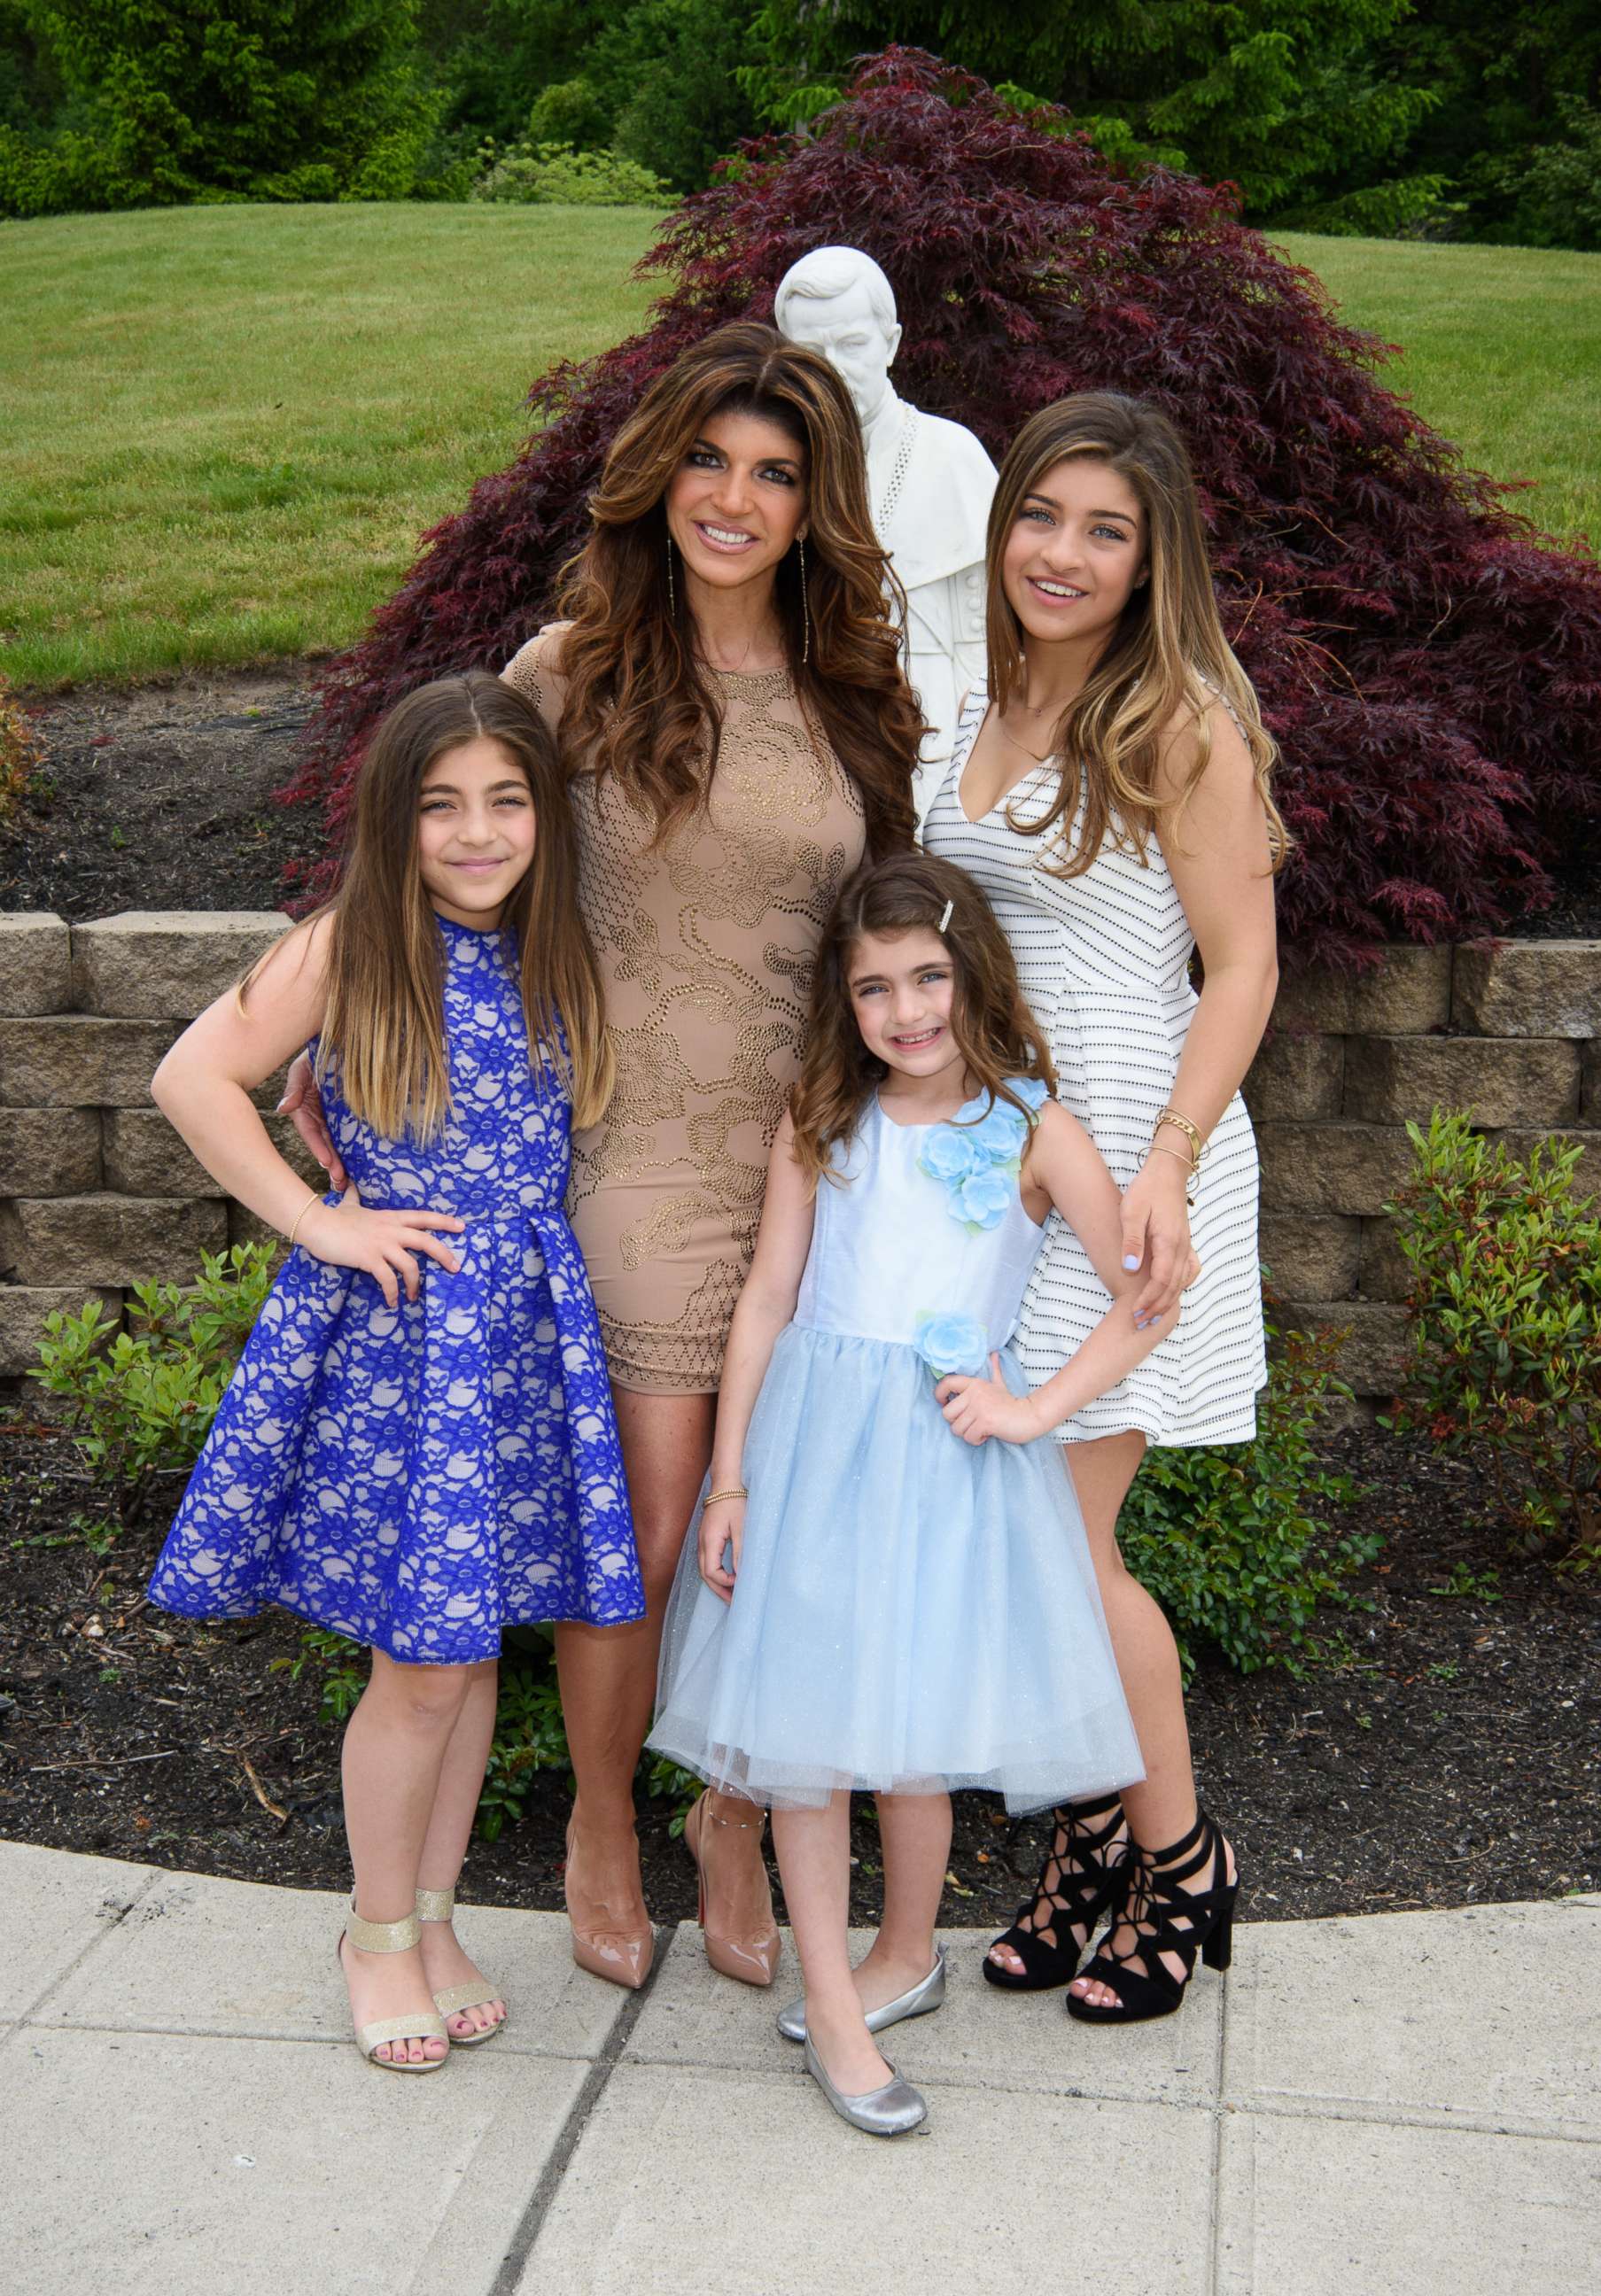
x,y
382,1937
1194,1848
436,1905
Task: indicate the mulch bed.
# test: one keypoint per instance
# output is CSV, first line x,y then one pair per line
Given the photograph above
x,y
1446,1756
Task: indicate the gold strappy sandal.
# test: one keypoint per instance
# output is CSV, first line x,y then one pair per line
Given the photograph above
x,y
440,1906
420,2024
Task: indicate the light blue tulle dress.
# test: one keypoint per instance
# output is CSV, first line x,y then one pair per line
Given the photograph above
x,y
418,1477
912,1611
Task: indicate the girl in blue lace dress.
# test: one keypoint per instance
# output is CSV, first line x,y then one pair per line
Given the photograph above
x,y
888,1587
418,1448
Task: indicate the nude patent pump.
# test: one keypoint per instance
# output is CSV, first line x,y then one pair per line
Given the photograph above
x,y
602,1946
751,1959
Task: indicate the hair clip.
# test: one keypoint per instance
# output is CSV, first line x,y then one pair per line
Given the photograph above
x,y
944,920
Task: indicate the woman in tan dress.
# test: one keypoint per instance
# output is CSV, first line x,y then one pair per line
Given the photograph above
x,y
729,698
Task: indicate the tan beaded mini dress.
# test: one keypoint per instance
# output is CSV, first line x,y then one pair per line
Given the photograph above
x,y
705,945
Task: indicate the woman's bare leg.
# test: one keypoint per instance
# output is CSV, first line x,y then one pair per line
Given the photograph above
x,y
445,1845
394,1751
608,1676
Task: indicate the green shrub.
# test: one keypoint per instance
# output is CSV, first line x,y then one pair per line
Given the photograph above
x,y
1505,1323
555,172
1559,184
141,1401
1231,1539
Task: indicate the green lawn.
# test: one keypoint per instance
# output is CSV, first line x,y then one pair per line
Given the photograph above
x,y
225,427
1500,350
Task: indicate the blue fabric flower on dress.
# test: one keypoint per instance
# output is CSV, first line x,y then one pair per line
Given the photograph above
x,y
977,1155
954,1343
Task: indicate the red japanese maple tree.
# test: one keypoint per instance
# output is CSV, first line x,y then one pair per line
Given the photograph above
x,y
1429,663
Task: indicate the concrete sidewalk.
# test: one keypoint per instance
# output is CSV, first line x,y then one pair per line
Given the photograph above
x,y
1394,2106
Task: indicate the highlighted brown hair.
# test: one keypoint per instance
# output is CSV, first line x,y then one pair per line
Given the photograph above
x,y
637,700
384,1023
995,1032
1167,661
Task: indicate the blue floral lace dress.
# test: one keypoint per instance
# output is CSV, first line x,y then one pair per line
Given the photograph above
x,y
912,1611
419,1477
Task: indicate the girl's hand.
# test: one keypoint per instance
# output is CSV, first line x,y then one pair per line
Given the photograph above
x,y
384,1243
975,1409
722,1526
1156,1229
302,1104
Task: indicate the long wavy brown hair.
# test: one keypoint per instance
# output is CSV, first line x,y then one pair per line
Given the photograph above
x,y
1167,661
995,1032
639,704
383,1027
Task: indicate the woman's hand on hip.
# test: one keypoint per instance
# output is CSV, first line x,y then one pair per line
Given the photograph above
x,y
302,1104
722,1528
385,1244
1156,1236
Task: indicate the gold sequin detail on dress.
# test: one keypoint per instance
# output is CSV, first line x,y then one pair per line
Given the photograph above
x,y
706,946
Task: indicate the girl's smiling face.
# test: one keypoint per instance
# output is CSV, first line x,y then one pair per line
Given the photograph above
x,y
902,989
1075,552
737,501
475,831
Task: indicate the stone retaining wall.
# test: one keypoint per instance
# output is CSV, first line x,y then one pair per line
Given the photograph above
x,y
1512,1033
97,1192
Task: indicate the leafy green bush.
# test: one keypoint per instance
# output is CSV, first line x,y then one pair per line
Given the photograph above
x,y
141,1401
554,172
1232,1539
1559,184
1505,1316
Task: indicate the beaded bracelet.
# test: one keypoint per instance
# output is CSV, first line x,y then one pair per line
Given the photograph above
x,y
737,1491
299,1216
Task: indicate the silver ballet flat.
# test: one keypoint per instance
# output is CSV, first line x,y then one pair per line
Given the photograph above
x,y
892,2110
928,1993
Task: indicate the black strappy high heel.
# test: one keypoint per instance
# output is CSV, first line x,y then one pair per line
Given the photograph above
x,y
1090,1864
1165,1918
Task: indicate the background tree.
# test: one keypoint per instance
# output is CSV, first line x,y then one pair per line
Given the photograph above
x,y
1296,101
256,98
1430,667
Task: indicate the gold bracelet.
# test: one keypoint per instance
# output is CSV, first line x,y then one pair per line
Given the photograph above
x,y
734,1491
1190,1132
299,1216
1192,1171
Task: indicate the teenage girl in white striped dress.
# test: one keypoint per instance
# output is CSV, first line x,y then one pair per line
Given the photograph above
x,y
1109,791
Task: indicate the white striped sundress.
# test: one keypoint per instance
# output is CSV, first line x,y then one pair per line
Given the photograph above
x,y
1103,960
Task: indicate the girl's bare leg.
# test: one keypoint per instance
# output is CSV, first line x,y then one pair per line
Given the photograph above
x,y
445,1844
394,1752
914,1832
608,1679
814,1858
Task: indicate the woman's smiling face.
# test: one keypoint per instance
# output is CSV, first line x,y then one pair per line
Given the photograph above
x,y
737,501
1076,550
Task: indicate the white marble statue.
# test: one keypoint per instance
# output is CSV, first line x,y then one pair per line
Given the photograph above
x,y
929,483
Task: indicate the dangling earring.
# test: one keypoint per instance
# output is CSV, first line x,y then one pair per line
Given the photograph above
x,y
672,600
805,608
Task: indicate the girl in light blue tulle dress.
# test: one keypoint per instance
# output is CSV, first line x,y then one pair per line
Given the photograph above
x,y
887,1585
418,1448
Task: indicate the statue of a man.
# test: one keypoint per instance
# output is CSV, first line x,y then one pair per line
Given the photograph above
x,y
929,483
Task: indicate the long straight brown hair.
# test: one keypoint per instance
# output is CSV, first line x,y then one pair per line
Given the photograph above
x,y
994,1030
384,1023
638,701
1167,659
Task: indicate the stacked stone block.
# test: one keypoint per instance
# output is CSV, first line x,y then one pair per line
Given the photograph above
x,y
97,1192
1511,1033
